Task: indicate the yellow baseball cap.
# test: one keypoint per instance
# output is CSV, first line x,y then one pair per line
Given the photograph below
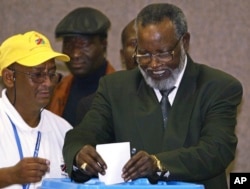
x,y
28,49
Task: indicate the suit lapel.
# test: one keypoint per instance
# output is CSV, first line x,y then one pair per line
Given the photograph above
x,y
149,118
178,121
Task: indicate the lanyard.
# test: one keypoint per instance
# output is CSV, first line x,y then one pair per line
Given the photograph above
x,y
35,154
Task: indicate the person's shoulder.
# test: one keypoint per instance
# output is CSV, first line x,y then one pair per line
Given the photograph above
x,y
123,74
66,81
109,69
121,82
208,72
216,79
211,81
55,119
122,78
217,74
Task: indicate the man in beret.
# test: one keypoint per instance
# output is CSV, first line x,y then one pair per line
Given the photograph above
x,y
84,33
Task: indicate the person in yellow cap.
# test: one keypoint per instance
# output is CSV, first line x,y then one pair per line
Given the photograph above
x,y
31,137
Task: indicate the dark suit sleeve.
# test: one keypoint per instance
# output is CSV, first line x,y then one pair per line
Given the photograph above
x,y
94,129
83,107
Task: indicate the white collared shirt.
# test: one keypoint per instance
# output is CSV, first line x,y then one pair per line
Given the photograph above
x,y
171,96
53,129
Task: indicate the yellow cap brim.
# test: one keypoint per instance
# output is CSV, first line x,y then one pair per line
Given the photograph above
x,y
41,57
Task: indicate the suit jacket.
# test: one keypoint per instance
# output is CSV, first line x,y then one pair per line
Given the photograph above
x,y
83,107
199,141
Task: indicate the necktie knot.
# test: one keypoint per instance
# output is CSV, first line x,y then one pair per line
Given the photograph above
x,y
167,91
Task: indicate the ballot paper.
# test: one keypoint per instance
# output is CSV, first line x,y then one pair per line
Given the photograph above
x,y
116,155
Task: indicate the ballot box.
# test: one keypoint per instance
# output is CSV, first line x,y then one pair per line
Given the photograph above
x,y
142,183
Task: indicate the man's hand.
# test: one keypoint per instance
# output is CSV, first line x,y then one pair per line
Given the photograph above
x,y
27,170
140,165
30,170
90,162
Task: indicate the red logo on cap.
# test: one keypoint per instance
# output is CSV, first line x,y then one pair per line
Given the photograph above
x,y
39,41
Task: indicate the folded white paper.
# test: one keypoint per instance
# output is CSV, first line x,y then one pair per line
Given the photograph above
x,y
116,155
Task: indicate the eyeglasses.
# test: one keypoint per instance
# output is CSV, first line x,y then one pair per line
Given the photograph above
x,y
40,77
164,57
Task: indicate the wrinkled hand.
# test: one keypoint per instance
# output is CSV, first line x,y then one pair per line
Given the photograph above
x,y
140,165
29,170
95,163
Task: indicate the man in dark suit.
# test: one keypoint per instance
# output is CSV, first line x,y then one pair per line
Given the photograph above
x,y
197,142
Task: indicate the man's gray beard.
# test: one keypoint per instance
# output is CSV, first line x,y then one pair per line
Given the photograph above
x,y
168,83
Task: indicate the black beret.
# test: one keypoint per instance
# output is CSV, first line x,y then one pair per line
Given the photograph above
x,y
83,21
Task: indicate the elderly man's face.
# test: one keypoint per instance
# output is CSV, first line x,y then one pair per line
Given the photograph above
x,y
164,54
86,53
